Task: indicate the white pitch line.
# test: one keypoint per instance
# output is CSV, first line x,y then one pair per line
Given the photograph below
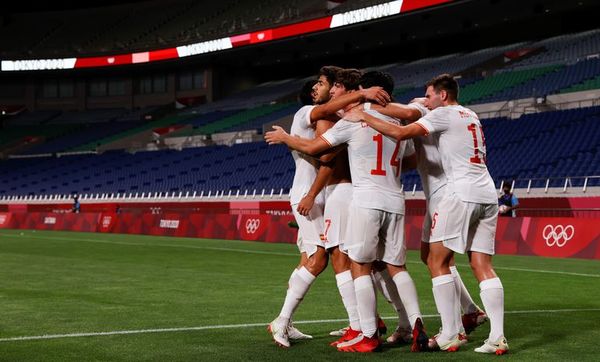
x,y
100,241
546,271
247,325
246,251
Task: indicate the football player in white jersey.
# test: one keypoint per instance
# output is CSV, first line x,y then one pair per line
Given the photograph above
x,y
376,214
433,180
310,241
334,177
466,215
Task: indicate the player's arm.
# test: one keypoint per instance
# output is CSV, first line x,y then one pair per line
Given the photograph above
x,y
376,94
307,202
307,146
389,129
325,172
400,111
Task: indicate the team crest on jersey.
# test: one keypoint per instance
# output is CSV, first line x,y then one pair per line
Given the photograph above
x,y
464,114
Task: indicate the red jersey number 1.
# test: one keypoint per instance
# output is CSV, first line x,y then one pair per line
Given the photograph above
x,y
379,170
476,159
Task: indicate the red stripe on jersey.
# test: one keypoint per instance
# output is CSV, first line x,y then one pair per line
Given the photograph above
x,y
425,129
325,139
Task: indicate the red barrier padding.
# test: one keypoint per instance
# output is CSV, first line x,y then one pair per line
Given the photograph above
x,y
5,220
541,236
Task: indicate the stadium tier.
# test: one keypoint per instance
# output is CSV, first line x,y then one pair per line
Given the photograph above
x,y
118,27
556,144
550,80
558,65
521,77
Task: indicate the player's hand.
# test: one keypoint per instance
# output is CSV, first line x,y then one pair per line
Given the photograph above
x,y
376,94
276,136
355,115
306,204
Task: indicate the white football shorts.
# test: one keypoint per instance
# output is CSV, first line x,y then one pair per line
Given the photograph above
x,y
337,203
375,235
464,226
430,207
310,229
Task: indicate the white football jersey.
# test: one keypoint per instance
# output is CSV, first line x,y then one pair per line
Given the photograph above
x,y
375,163
462,147
429,159
305,170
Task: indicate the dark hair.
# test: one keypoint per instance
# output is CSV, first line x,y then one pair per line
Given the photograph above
x,y
330,72
378,79
445,82
305,95
507,184
349,78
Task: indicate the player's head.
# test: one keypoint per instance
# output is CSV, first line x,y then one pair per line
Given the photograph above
x,y
347,80
378,79
325,80
441,91
306,93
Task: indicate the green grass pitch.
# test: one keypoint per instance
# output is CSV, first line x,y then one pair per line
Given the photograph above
x,y
182,299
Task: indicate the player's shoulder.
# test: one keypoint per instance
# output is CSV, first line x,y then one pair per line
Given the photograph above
x,y
382,116
419,107
452,111
302,116
439,115
469,110
303,110
345,124
444,110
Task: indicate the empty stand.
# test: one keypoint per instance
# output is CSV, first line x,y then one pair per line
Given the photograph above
x,y
537,146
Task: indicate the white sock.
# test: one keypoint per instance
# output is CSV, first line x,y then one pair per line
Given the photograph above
x,y
300,281
367,305
446,302
457,285
345,286
387,287
466,302
492,296
409,296
291,276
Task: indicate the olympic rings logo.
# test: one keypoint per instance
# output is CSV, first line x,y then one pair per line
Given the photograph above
x,y
106,221
558,235
252,225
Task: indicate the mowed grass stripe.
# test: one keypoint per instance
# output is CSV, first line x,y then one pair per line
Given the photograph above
x,y
260,252
60,286
247,325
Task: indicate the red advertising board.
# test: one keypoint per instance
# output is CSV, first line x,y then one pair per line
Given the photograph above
x,y
5,218
542,236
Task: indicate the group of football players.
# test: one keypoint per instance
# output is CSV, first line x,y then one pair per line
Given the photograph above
x,y
350,144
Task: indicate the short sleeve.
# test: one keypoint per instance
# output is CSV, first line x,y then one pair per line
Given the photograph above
x,y
514,201
435,121
419,107
306,118
340,133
